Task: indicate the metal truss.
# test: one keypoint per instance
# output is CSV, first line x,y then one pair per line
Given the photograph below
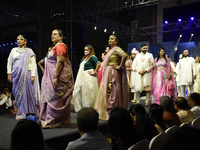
x,y
171,27
117,5
107,24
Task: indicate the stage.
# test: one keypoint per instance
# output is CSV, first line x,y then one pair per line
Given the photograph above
x,y
57,138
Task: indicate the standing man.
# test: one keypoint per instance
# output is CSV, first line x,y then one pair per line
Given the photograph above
x,y
143,63
134,52
186,66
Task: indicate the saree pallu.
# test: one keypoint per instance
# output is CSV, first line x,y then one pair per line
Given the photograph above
x,y
86,89
27,94
55,101
113,90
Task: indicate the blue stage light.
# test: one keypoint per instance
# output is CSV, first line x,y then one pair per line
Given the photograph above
x,y
166,22
179,20
192,18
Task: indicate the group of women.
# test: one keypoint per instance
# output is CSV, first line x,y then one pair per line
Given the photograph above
x,y
58,89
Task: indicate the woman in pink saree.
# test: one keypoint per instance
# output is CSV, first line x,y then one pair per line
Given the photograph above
x,y
163,78
113,89
57,85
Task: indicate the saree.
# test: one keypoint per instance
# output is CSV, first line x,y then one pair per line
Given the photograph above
x,y
113,89
86,88
162,86
55,101
27,94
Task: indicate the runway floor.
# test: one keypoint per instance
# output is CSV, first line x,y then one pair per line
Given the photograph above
x,y
56,138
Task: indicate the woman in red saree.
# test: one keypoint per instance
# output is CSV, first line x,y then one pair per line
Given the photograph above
x,y
57,85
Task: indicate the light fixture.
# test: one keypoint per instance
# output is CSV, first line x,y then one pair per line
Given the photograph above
x,y
113,32
105,30
179,20
192,18
180,35
192,34
95,27
166,22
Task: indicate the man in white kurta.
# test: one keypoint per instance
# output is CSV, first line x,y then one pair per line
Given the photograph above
x,y
143,63
134,52
186,66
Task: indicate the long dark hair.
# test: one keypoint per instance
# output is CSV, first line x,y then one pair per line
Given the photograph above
x,y
159,54
156,113
120,126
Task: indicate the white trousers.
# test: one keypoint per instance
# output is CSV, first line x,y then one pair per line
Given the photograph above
x,y
183,90
147,97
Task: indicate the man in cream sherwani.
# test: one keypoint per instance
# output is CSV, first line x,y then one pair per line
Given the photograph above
x,y
143,63
186,66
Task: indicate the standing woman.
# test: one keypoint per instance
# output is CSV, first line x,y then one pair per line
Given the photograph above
x,y
197,80
86,85
113,90
22,71
100,69
57,85
163,78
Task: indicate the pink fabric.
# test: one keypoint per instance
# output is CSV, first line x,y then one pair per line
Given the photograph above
x,y
99,75
159,87
135,51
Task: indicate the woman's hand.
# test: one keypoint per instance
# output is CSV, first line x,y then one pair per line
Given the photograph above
x,y
55,82
169,77
92,73
117,67
32,79
10,77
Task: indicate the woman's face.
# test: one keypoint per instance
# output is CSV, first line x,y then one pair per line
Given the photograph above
x,y
133,55
55,37
21,42
86,51
197,59
112,41
162,52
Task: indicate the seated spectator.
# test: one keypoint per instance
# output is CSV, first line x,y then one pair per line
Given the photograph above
x,y
121,131
5,102
91,138
27,135
156,115
183,112
186,138
169,115
194,103
142,122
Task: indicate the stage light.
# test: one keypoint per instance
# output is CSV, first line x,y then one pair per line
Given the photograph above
x,y
105,30
180,35
11,43
179,20
113,32
3,44
192,34
0,45
192,18
30,41
166,22
15,42
95,27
